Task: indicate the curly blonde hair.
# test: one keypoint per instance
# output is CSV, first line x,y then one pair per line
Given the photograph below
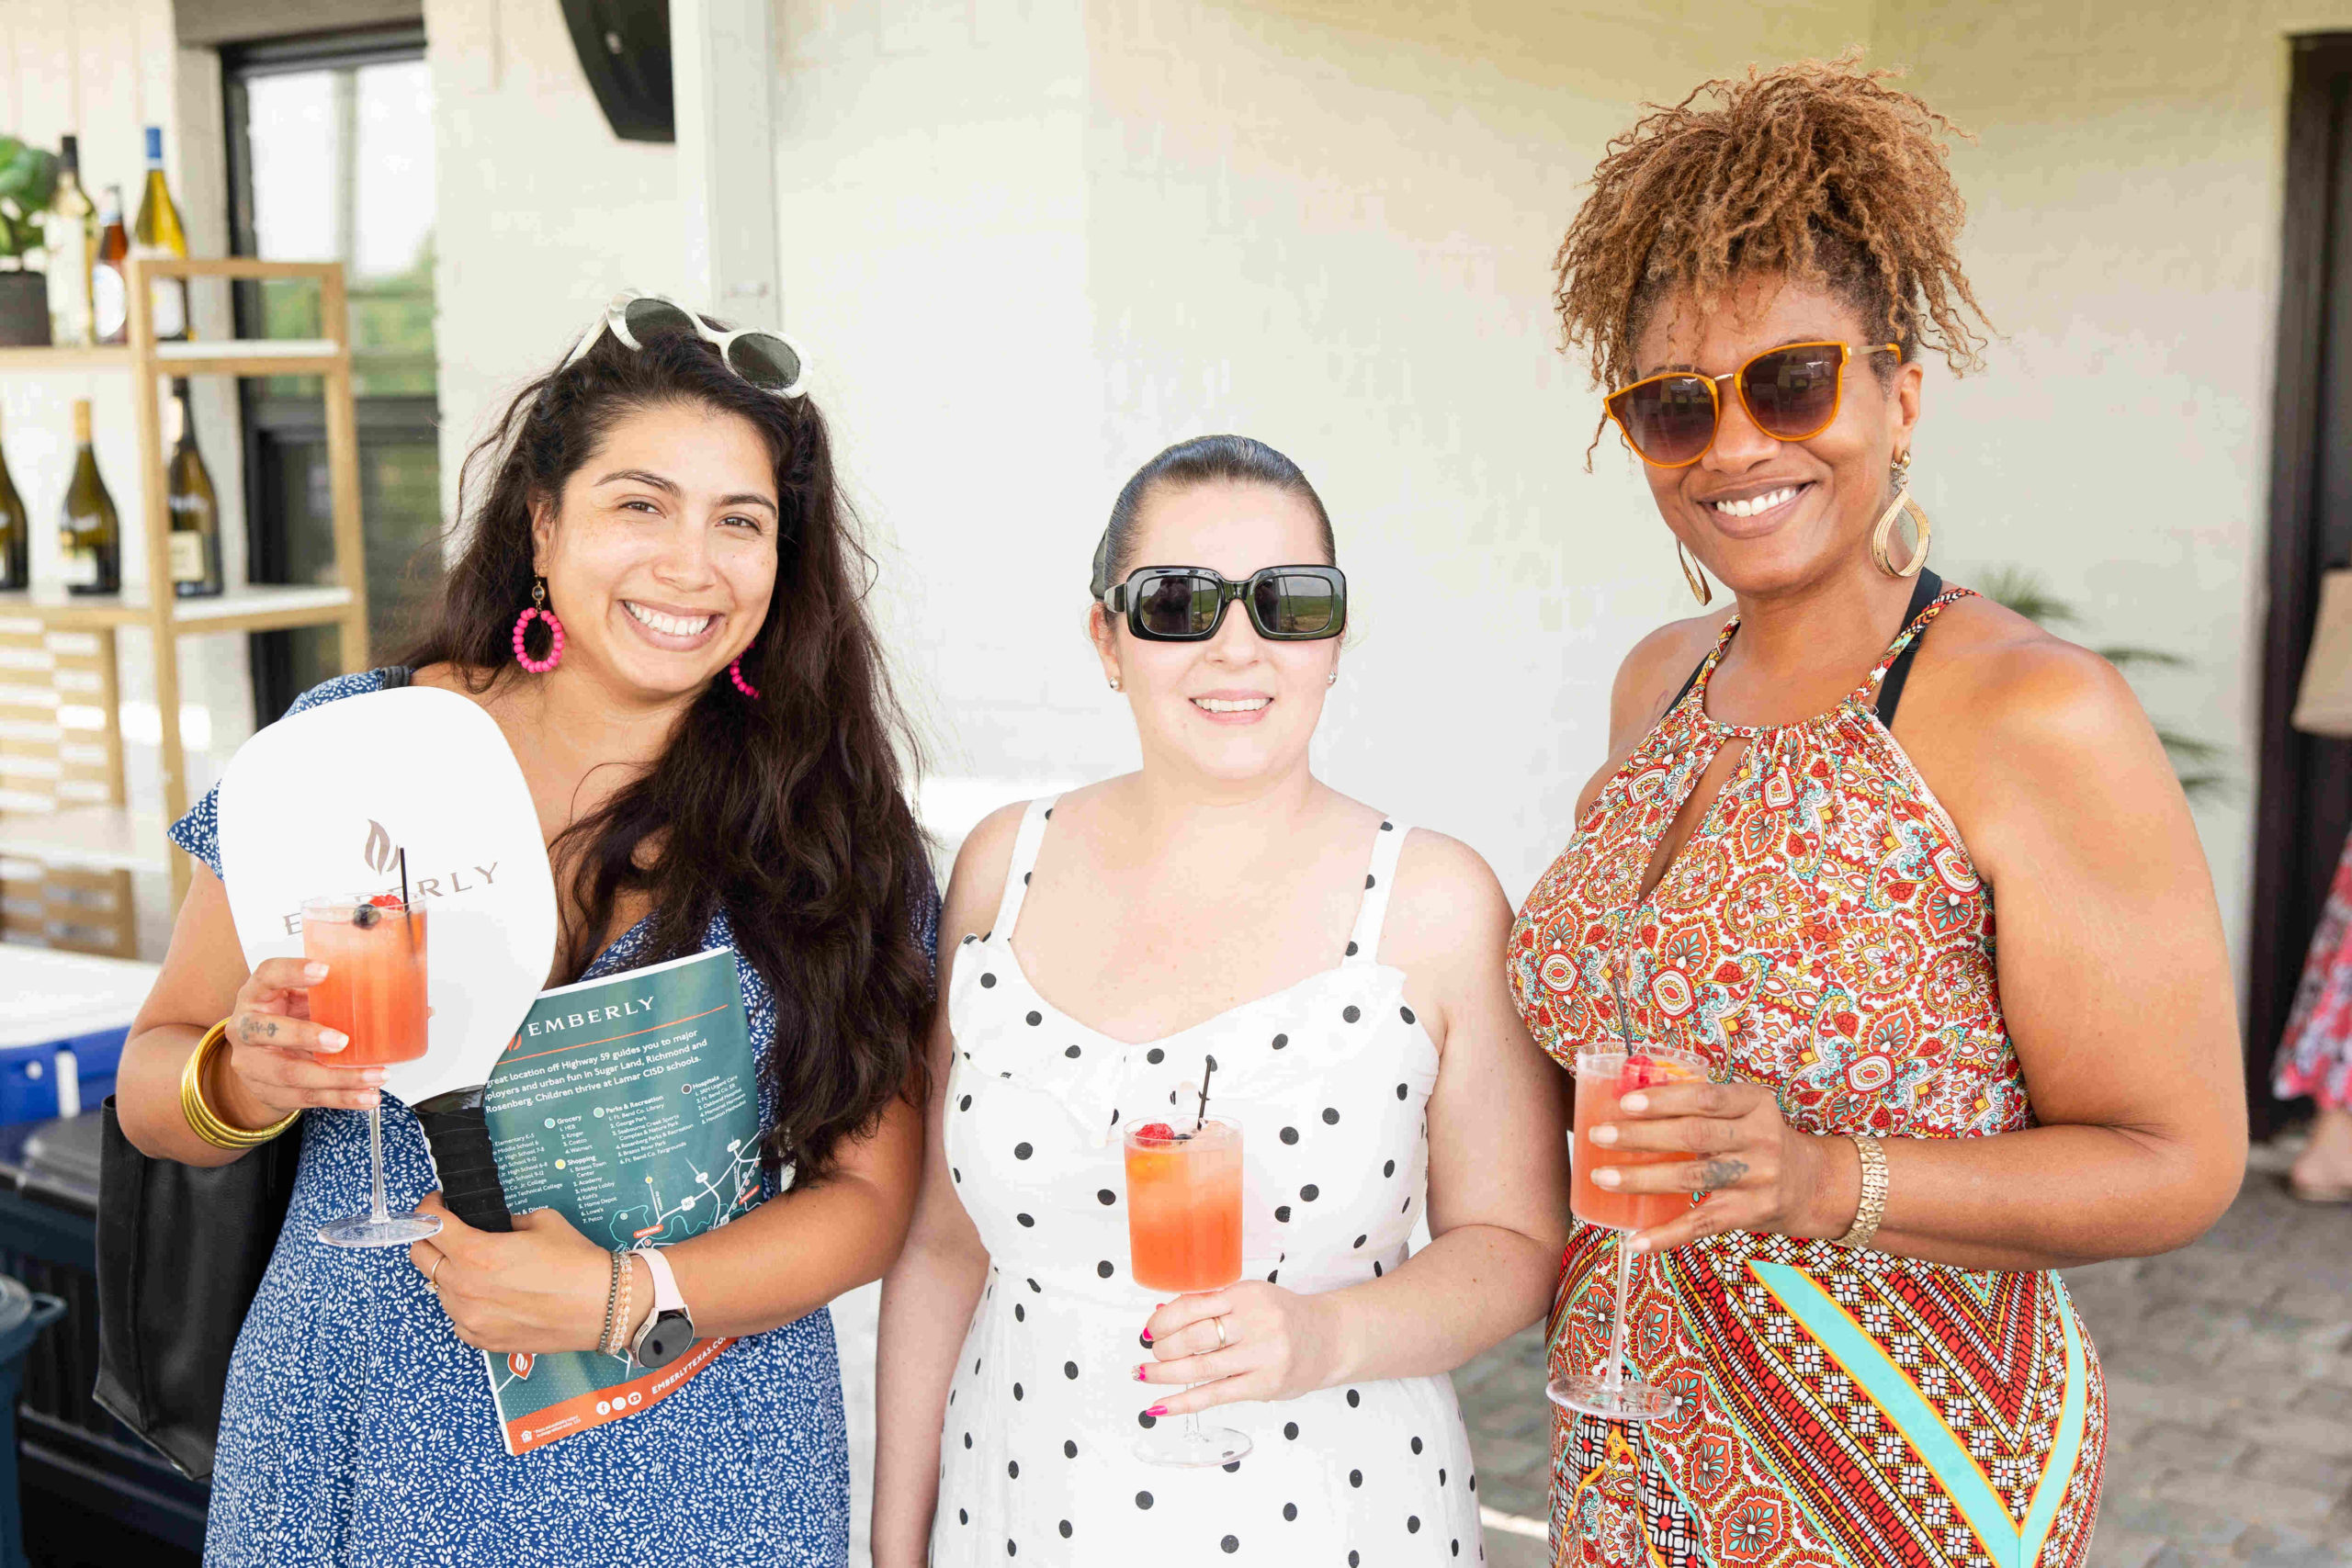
x,y
1818,170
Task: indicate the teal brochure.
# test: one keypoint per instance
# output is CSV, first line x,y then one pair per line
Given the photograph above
x,y
630,1105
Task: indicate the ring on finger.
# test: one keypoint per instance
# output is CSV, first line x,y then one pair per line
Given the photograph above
x,y
1218,1323
432,1276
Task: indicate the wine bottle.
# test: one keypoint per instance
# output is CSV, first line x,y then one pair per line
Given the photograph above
x,y
90,535
72,240
16,533
158,233
196,514
109,289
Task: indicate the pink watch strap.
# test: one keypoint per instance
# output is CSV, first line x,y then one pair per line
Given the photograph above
x,y
665,1284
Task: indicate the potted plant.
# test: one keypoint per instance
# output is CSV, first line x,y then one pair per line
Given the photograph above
x,y
28,183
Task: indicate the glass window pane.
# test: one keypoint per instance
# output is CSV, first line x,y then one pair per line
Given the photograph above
x,y
338,166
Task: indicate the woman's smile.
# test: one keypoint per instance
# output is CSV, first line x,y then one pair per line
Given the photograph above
x,y
671,628
1233,706
1751,511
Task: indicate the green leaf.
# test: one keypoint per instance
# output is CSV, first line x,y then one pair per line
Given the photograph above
x,y
28,182
2128,657
2017,588
2188,748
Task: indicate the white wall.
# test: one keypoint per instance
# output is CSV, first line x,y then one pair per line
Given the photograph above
x,y
1331,225
2126,205
1030,244
543,213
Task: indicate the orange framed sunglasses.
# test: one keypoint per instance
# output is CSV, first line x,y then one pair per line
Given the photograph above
x,y
1791,392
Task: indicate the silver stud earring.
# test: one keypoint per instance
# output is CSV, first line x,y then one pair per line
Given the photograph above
x,y
1114,682
1334,678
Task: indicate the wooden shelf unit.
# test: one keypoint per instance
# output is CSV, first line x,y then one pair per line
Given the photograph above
x,y
110,837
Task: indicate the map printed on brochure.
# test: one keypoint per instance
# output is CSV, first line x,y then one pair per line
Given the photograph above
x,y
630,1104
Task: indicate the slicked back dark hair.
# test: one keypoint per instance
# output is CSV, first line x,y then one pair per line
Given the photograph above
x,y
789,813
1204,459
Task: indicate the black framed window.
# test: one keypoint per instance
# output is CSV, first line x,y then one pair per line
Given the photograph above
x,y
331,158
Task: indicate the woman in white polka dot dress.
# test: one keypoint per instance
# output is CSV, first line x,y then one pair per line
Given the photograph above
x,y
1345,974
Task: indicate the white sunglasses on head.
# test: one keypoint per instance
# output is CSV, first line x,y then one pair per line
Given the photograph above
x,y
769,361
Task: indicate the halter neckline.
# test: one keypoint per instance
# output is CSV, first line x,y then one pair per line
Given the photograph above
x,y
1860,697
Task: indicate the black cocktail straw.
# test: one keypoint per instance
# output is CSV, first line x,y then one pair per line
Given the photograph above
x,y
407,924
1202,1115
1621,969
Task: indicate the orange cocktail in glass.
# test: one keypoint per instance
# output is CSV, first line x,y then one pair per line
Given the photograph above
x,y
1184,1236
374,992
1185,1206
373,946
1603,1080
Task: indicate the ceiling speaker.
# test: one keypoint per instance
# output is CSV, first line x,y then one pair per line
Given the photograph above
x,y
624,47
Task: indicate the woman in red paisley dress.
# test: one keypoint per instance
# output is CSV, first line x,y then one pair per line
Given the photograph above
x,y
1790,864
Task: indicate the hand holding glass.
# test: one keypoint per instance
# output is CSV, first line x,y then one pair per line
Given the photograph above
x,y
1603,1080
1184,1236
373,946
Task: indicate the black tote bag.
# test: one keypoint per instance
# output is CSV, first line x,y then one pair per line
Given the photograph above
x,y
181,1251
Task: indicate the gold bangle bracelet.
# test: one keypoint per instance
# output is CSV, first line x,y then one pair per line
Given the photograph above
x,y
1873,1207
202,1120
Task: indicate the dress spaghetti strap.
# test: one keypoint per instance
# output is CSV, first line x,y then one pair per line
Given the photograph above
x,y
1025,860
1380,876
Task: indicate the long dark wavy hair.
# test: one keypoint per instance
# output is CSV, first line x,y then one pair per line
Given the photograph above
x,y
789,813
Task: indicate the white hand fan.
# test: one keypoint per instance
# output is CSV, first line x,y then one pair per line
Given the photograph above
x,y
324,802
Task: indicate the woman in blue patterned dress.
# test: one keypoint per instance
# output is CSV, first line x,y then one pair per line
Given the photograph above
x,y
714,760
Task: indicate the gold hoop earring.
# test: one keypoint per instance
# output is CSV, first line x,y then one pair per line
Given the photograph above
x,y
1883,536
1701,589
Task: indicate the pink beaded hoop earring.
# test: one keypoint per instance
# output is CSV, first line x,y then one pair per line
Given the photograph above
x,y
537,607
735,673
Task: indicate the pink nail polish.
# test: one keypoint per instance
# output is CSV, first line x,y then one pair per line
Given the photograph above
x,y
1139,1372
1147,1335
1156,1411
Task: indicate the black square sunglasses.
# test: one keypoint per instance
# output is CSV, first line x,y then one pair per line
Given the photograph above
x,y
1186,603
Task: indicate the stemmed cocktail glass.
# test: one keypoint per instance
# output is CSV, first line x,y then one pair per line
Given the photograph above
x,y
1603,1079
373,946
1184,1236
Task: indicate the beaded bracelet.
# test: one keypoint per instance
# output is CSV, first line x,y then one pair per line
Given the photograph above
x,y
612,1304
1873,1207
206,1123
620,1319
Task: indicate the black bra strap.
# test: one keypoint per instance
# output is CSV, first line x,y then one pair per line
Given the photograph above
x,y
1890,691
1696,670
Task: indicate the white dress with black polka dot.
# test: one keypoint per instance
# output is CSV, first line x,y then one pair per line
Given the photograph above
x,y
1328,1081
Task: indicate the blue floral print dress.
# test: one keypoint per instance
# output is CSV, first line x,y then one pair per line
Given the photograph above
x,y
358,1429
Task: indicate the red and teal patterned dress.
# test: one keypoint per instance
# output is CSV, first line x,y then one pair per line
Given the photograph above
x,y
1824,933
2315,1053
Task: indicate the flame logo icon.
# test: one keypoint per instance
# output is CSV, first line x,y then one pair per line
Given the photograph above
x,y
519,1363
380,852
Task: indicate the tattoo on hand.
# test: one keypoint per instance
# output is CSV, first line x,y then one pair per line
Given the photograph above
x,y
1721,1173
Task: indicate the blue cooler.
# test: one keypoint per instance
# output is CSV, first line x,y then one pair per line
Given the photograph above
x,y
60,1038
23,1315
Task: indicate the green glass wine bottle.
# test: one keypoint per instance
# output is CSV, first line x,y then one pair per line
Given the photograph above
x,y
15,533
90,533
195,513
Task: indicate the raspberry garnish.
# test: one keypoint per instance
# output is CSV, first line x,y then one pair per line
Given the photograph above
x,y
1156,1130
